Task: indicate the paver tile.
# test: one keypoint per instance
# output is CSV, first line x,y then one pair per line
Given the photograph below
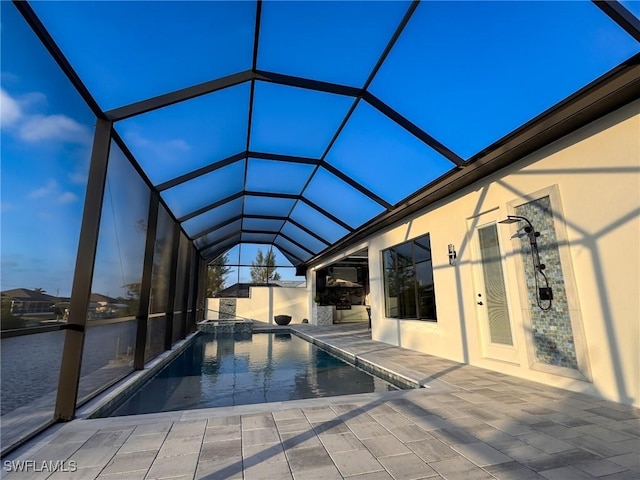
x,y
180,446
164,467
300,440
602,433
227,420
612,413
141,443
152,429
626,475
290,425
432,450
289,414
135,475
512,471
632,445
407,466
319,414
217,451
393,420
410,433
356,462
482,454
598,468
546,443
194,428
330,427
93,457
459,468
219,433
368,430
80,474
629,460
534,458
263,454
251,422
229,469
597,446
308,458
269,471
259,436
385,446
382,475
453,436
566,473
108,438
129,462
341,442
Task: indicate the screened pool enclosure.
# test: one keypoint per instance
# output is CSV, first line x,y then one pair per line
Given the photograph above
x,y
142,140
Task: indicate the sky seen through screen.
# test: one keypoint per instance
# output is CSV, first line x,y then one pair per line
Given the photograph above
x,y
467,73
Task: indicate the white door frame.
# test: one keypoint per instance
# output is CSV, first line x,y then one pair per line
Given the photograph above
x,y
490,350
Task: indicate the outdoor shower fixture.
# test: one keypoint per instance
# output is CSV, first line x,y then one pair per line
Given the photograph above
x,y
542,293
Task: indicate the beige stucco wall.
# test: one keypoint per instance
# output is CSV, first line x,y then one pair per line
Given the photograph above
x,y
265,302
596,172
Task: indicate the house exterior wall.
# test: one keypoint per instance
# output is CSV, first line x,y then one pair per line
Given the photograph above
x,y
265,302
591,179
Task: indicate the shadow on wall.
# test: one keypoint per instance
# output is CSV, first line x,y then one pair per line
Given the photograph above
x,y
588,240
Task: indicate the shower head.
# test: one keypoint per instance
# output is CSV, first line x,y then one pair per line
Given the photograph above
x,y
510,219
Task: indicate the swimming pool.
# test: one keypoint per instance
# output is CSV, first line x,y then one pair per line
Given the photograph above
x,y
239,370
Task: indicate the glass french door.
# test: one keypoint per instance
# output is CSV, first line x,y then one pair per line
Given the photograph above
x,y
491,296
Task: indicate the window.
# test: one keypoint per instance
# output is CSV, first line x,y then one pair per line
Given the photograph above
x,y
408,280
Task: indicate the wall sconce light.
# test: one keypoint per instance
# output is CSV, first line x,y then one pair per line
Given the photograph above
x,y
452,254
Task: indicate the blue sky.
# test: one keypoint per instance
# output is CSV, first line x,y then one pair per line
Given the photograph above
x,y
466,72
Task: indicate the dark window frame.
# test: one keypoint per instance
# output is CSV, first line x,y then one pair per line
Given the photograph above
x,y
393,281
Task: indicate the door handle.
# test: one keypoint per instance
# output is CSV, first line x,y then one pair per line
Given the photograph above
x,y
480,303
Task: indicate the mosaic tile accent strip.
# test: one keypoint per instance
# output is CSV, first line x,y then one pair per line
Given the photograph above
x,y
227,308
552,331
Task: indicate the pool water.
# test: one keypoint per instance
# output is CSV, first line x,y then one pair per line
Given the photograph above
x,y
239,370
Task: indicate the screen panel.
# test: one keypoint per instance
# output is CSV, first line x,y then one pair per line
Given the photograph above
x,y
295,121
206,189
337,42
273,176
303,238
184,43
371,137
183,137
267,206
213,217
266,238
471,72
317,222
262,224
220,233
292,248
344,202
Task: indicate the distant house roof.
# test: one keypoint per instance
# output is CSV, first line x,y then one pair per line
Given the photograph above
x,y
288,283
240,290
100,298
27,295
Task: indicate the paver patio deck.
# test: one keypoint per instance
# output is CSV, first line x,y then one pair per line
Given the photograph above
x,y
468,423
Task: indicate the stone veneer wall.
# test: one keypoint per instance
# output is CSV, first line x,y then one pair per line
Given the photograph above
x,y
552,332
227,308
323,314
